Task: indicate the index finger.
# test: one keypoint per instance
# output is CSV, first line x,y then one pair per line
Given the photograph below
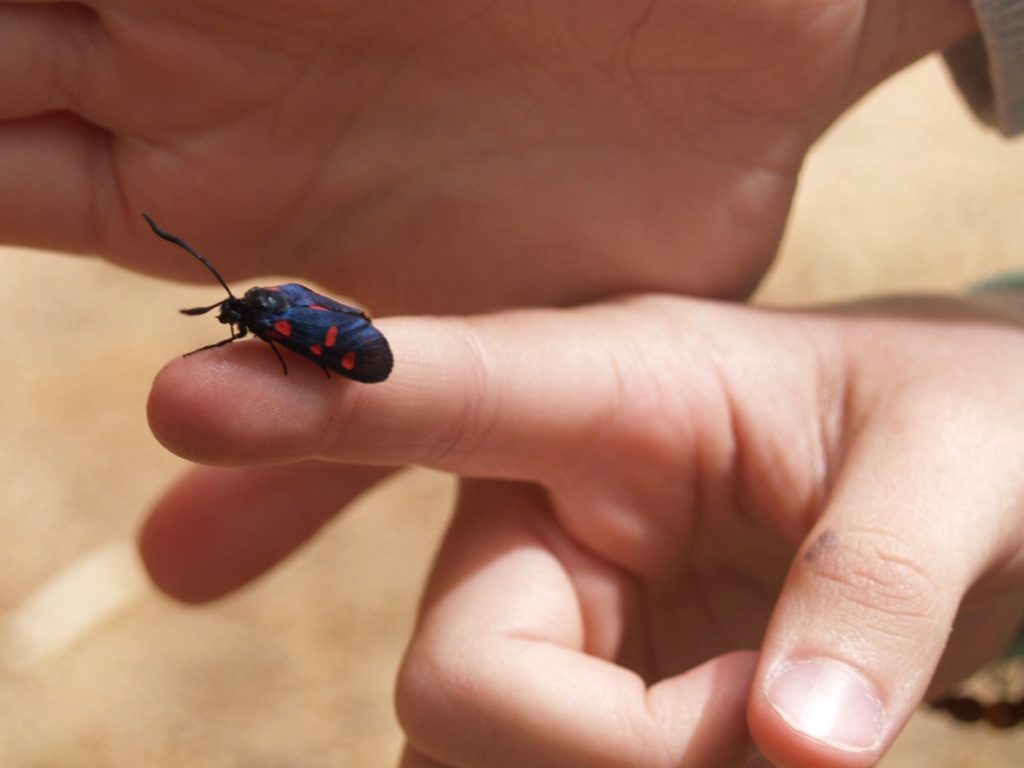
x,y
500,396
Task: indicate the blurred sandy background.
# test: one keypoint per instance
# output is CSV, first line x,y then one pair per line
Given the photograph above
x,y
908,193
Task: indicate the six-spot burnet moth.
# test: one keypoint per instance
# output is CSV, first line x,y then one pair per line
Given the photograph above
x,y
333,335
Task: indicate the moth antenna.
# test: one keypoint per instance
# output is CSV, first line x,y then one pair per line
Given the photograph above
x,y
202,310
182,244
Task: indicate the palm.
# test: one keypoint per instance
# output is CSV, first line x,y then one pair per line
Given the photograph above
x,y
433,156
695,531
703,595
688,499
719,596
684,503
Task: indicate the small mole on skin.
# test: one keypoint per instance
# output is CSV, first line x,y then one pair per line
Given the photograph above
x,y
827,541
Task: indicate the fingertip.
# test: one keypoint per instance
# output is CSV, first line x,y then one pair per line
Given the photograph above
x,y
182,544
165,544
234,406
854,638
724,681
412,759
817,712
722,686
219,528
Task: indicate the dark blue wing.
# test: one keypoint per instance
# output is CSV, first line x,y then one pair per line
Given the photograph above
x,y
301,296
338,337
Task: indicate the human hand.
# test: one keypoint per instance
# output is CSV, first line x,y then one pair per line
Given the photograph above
x,y
671,482
447,156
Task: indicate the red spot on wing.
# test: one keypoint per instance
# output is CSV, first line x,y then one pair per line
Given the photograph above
x,y
283,327
272,288
318,306
316,349
348,362
332,336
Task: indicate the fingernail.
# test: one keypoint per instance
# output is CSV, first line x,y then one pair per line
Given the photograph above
x,y
829,702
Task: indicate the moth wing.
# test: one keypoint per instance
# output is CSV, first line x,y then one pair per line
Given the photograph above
x,y
341,340
301,296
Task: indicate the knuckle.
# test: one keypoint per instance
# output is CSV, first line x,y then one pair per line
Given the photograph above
x,y
425,695
877,573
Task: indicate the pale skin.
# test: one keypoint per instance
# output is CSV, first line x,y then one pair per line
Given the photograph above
x,y
671,478
447,156
455,157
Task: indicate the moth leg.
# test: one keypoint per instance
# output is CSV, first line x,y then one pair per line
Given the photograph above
x,y
281,359
324,369
235,336
212,346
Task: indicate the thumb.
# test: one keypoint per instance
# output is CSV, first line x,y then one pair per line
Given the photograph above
x,y
870,599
